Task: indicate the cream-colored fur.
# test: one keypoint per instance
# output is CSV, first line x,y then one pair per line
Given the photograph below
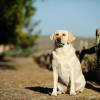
x,y
67,72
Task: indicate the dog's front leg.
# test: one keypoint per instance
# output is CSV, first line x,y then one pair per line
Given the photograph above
x,y
72,78
55,79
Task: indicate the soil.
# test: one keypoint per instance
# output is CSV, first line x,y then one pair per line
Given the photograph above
x,y
23,79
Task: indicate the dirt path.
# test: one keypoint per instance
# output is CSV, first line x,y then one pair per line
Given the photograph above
x,y
23,79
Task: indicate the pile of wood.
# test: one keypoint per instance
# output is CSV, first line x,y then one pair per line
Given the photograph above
x,y
44,59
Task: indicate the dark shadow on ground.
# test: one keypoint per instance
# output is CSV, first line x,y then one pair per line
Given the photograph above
x,y
4,64
92,76
4,67
5,60
40,89
49,90
89,86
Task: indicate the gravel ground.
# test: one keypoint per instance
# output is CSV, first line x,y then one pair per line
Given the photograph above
x,y
23,79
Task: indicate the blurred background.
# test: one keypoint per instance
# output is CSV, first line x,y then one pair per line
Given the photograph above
x,y
27,24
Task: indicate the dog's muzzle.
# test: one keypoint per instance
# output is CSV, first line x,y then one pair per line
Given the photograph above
x,y
59,42
58,39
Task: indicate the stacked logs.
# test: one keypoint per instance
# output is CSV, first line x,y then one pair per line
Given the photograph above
x,y
44,59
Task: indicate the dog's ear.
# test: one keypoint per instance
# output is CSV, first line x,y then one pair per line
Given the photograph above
x,y
70,37
52,37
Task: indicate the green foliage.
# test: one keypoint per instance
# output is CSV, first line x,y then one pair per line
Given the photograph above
x,y
27,40
96,45
14,15
19,52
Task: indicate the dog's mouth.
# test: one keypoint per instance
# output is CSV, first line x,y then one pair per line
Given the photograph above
x,y
59,44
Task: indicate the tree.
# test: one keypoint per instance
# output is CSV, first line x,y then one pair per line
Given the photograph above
x,y
27,40
14,15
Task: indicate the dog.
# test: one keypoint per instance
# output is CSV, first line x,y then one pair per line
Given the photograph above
x,y
67,72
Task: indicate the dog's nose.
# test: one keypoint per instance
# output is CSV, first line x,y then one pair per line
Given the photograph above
x,y
59,38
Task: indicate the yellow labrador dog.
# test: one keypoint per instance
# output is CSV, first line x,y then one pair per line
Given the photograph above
x,y
67,72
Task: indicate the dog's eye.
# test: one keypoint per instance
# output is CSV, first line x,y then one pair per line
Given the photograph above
x,y
57,34
64,34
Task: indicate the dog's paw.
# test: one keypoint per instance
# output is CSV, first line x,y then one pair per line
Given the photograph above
x,y
54,94
59,92
72,93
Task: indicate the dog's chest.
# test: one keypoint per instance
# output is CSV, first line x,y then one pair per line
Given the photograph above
x,y
58,54
62,61
61,54
63,71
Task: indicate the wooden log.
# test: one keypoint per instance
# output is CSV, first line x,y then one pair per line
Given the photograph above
x,y
98,35
98,54
80,46
87,51
83,45
91,51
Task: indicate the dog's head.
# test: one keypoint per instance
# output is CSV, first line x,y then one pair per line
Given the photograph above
x,y
62,37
